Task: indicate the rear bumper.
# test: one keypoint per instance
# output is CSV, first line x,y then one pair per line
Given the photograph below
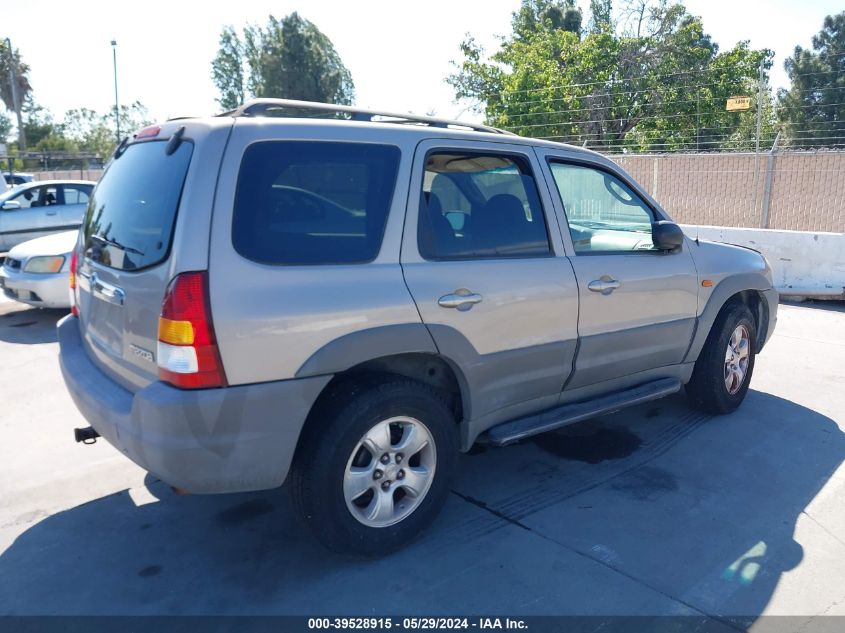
x,y
204,441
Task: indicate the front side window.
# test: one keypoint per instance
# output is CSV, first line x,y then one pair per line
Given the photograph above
x,y
308,202
32,197
480,206
604,214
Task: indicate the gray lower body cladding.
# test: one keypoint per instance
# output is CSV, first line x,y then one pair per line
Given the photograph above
x,y
204,441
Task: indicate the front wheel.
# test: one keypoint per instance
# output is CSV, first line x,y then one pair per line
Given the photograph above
x,y
723,370
376,465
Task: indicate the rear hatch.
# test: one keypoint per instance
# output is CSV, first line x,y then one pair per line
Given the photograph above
x,y
148,219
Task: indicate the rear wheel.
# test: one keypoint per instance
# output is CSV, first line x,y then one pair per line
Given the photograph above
x,y
723,370
375,465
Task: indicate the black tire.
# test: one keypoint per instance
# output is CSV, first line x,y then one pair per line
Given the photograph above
x,y
333,432
707,389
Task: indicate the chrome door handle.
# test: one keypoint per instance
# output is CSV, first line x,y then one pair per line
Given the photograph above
x,y
462,299
605,285
106,292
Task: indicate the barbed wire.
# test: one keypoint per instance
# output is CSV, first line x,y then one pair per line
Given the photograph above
x,y
615,94
639,120
652,78
691,150
697,135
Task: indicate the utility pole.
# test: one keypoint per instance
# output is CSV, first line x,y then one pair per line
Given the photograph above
x,y
16,104
697,117
757,139
759,107
116,102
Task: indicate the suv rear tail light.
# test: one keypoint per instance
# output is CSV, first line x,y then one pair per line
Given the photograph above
x,y
188,357
74,262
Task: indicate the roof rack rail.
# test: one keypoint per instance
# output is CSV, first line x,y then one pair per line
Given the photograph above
x,y
261,107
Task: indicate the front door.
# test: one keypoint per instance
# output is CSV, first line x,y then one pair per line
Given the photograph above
x,y
638,304
483,259
34,214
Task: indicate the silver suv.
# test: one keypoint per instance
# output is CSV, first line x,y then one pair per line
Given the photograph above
x,y
346,303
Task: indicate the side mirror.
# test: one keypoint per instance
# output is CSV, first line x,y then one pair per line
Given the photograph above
x,y
11,205
667,236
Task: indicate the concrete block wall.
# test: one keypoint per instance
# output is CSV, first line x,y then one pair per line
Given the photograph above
x,y
68,174
804,263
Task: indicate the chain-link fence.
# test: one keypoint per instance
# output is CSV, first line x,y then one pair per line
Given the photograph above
x,y
802,191
792,190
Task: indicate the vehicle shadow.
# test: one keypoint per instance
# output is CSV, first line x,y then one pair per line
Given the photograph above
x,y
20,323
828,305
25,325
649,511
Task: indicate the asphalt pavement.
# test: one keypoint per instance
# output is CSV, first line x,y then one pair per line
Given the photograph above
x,y
650,511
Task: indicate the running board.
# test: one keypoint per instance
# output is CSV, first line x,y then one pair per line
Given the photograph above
x,y
509,432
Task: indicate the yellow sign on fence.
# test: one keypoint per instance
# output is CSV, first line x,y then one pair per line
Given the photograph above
x,y
738,104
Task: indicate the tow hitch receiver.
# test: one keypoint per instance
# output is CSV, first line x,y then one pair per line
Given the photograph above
x,y
88,435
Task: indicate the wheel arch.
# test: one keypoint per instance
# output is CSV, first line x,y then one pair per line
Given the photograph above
x,y
746,289
405,350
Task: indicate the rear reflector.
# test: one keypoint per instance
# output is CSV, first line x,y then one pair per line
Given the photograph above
x,y
187,349
74,262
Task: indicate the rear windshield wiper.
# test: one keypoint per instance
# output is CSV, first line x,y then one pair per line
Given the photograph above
x,y
117,244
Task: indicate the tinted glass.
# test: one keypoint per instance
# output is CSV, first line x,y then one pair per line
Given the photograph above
x,y
604,214
130,218
313,202
478,206
75,195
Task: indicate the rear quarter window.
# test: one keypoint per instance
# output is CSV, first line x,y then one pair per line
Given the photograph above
x,y
309,202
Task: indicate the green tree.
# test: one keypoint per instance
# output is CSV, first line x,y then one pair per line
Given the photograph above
x,y
289,58
227,69
813,109
10,60
5,128
601,16
535,16
94,132
650,80
42,131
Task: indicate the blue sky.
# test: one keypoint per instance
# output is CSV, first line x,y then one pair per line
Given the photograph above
x,y
399,52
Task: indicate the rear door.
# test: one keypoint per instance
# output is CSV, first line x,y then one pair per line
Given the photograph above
x,y
483,259
148,219
638,304
73,201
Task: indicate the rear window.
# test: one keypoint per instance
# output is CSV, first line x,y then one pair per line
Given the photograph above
x,y
129,224
313,202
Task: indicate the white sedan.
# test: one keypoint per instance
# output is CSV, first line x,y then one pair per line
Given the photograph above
x,y
36,272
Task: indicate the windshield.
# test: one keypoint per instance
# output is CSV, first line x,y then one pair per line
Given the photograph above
x,y
10,192
130,218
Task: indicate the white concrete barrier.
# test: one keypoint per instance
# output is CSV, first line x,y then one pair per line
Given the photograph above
x,y
803,263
